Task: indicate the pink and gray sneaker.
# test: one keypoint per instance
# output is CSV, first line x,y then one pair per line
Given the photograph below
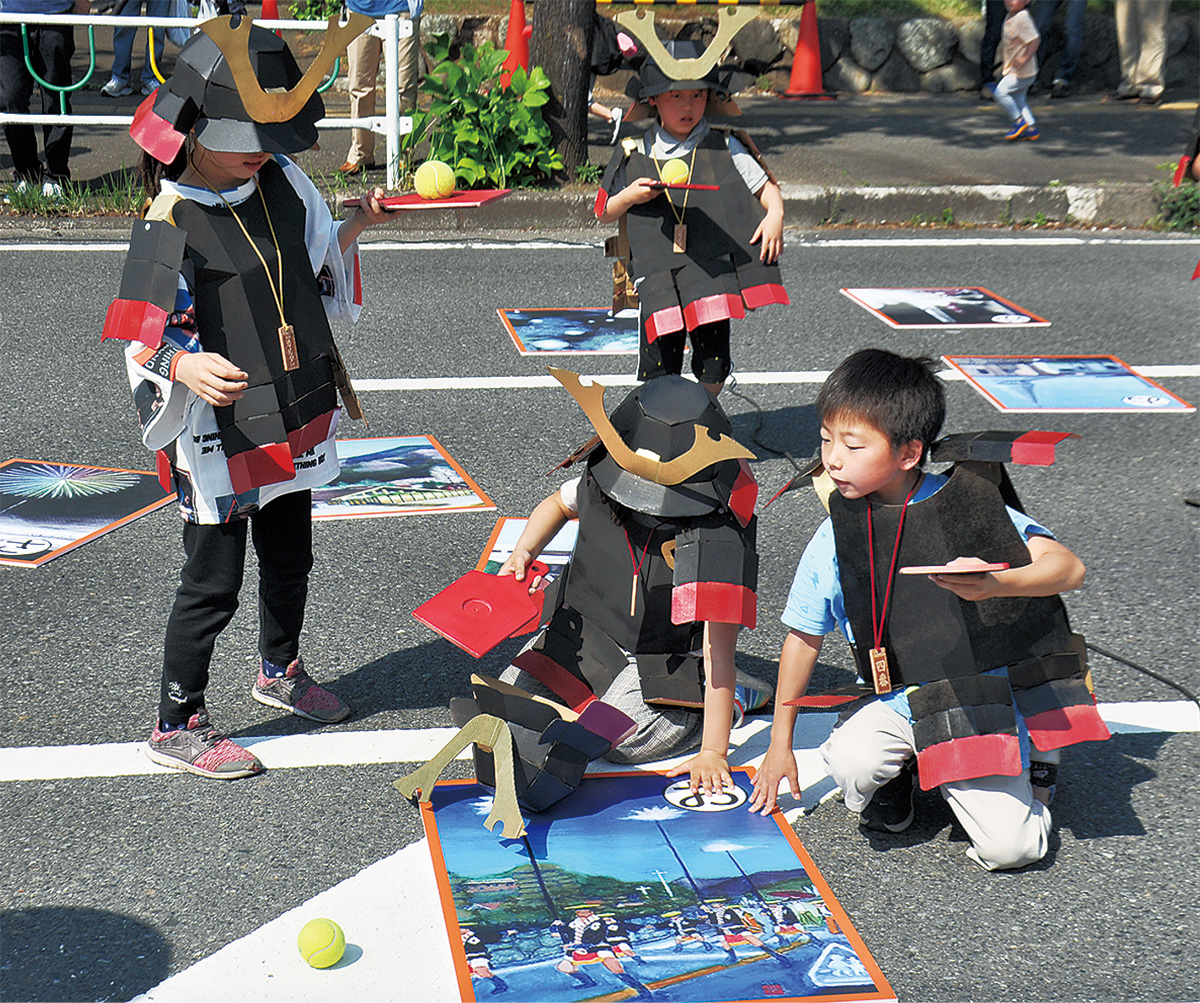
x,y
296,692
199,748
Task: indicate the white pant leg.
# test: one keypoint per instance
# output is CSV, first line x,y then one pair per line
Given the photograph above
x,y
867,750
1007,826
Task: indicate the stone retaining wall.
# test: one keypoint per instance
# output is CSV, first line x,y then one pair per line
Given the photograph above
x,y
880,54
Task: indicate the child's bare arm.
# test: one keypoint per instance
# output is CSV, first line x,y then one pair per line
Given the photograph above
x,y
547,518
770,229
211,377
709,768
1054,569
796,663
1027,50
368,213
634,193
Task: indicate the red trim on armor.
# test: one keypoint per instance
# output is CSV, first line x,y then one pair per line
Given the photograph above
x,y
662,322
1036,449
135,320
744,495
717,601
311,435
358,297
710,309
1063,726
155,134
162,466
765,295
261,466
969,759
601,203
571,689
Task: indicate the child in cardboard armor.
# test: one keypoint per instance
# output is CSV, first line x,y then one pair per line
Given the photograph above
x,y
663,576
232,277
977,681
699,258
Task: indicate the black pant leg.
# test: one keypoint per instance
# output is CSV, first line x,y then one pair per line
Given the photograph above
x,y
993,26
282,536
204,604
56,48
16,88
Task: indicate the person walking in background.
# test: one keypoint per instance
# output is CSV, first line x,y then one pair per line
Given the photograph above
x,y
993,25
1019,67
120,83
362,71
1142,41
51,47
1043,16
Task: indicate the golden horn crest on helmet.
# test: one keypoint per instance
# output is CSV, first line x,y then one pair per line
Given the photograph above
x,y
283,106
640,24
704,451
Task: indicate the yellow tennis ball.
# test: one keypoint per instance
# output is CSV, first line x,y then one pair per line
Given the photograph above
x,y
321,943
675,172
434,180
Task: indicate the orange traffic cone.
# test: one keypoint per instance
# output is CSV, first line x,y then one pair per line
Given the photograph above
x,y
805,83
516,41
270,12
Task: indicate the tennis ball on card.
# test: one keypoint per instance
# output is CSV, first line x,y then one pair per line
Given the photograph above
x,y
675,172
321,943
434,180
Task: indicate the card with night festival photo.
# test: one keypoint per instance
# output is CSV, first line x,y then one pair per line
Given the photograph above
x,y
943,307
633,887
47,509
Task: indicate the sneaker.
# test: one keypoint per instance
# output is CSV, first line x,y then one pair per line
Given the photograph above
x,y
617,115
987,91
296,692
149,86
1018,127
1060,88
1043,777
1031,133
1151,99
52,190
749,694
201,749
891,809
116,89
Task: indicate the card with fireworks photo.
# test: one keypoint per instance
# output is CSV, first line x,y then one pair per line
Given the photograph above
x,y
572,331
942,307
682,898
49,508
400,475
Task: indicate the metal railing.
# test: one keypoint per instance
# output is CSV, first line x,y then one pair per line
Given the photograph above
x,y
391,124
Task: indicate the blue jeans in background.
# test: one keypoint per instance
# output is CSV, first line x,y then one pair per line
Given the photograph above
x,y
123,40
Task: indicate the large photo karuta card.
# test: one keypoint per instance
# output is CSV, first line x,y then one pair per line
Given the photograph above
x,y
1064,383
49,508
632,887
507,532
400,475
584,331
942,307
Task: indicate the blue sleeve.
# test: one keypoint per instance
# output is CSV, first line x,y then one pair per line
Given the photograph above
x,y
1028,527
814,604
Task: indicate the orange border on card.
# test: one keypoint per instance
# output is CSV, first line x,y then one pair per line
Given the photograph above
x,y
486,503
512,331
1000,406
1034,319
462,972
166,500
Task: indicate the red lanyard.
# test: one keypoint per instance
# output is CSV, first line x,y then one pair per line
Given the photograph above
x,y
878,618
637,567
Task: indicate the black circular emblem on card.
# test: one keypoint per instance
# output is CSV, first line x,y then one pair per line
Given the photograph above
x,y
681,796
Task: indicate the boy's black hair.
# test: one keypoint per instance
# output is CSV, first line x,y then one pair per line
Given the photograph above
x,y
899,396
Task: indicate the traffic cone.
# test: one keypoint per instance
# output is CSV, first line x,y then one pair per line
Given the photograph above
x,y
516,41
270,12
805,83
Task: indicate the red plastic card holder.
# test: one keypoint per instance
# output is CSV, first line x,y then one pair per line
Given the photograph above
x,y
479,610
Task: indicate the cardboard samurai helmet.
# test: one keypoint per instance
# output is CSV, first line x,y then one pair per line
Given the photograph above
x,y
241,91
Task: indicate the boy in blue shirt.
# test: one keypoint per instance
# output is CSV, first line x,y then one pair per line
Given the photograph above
x,y
972,673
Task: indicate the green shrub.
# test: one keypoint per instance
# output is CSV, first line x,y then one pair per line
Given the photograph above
x,y
1178,208
315,10
492,136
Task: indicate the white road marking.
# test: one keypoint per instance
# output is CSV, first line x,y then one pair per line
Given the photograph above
x,y
418,383
354,748
808,242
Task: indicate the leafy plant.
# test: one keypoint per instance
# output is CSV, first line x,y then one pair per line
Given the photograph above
x,y
489,134
1178,208
588,173
315,10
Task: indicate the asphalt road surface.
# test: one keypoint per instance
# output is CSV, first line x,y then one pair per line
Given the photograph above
x,y
114,883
